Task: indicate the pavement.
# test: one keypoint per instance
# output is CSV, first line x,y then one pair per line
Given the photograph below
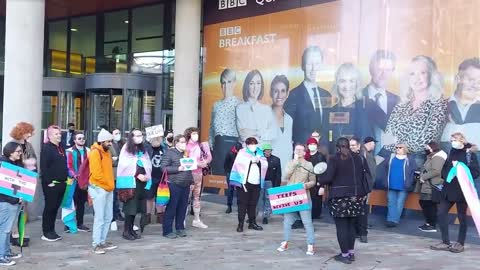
x,y
221,247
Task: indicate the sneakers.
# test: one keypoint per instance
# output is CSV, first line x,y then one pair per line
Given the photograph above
x,y
128,236
135,228
113,226
6,261
98,250
51,237
390,224
199,224
83,228
181,233
457,248
340,258
441,246
108,246
283,246
66,230
14,255
351,257
171,235
427,228
310,250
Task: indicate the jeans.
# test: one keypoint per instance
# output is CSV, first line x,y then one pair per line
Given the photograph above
x,y
116,205
263,205
176,208
306,216
230,191
396,202
103,207
8,213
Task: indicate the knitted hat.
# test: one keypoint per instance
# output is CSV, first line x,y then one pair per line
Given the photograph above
x,y
312,141
266,146
104,135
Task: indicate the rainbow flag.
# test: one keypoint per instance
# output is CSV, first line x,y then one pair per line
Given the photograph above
x,y
22,220
68,206
465,179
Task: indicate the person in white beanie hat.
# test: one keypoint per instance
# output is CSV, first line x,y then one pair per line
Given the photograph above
x,y
101,188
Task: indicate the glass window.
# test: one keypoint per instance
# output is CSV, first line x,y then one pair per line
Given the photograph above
x,y
71,109
82,50
148,108
134,103
147,28
57,45
116,32
49,109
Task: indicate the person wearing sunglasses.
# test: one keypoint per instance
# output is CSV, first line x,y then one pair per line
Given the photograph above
x,y
76,155
398,176
348,189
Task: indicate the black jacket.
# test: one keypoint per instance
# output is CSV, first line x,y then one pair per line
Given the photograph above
x,y
3,197
53,163
274,171
452,191
315,159
171,162
345,177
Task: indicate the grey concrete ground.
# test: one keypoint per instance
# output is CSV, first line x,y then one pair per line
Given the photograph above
x,y
220,247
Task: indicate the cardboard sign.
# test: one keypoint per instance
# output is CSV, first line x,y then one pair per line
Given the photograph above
x,y
17,182
189,164
288,199
154,132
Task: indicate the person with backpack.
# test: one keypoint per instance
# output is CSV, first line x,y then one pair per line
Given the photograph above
x,y
76,155
100,189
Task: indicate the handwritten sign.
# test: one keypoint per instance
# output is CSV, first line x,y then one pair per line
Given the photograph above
x,y
154,131
288,199
17,182
189,164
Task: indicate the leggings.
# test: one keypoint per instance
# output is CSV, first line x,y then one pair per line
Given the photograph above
x,y
429,209
197,189
346,233
443,209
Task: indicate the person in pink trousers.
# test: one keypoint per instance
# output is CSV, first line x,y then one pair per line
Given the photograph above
x,y
201,152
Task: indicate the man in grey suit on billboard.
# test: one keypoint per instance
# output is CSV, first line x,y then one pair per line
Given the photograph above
x,y
307,102
378,101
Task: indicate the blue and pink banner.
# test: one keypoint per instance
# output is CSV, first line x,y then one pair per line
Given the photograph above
x,y
17,182
288,199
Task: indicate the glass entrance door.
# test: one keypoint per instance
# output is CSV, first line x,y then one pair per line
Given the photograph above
x,y
105,111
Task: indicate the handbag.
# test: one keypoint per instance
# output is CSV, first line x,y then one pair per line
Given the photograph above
x,y
436,192
163,191
126,194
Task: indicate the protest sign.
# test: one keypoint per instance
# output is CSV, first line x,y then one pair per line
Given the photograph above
x,y
154,131
17,182
287,199
189,164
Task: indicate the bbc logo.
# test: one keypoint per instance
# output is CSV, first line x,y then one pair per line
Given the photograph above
x,y
230,31
225,4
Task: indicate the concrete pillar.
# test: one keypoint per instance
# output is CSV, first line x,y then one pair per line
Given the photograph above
x,y
24,31
187,63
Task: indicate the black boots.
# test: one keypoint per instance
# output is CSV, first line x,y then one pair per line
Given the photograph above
x,y
240,226
229,209
128,232
254,226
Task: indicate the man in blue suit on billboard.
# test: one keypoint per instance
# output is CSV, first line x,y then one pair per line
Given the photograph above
x,y
307,103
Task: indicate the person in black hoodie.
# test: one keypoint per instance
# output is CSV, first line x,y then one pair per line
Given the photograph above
x,y
347,195
452,194
54,173
12,153
228,164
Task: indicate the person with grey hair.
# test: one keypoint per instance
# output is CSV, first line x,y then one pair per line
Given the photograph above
x,y
307,102
381,67
348,118
422,114
464,105
223,131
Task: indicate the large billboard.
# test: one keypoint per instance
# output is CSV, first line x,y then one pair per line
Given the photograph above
x,y
401,71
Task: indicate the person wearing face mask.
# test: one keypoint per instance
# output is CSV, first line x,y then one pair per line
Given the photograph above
x,y
100,189
315,157
117,145
299,171
179,181
451,194
347,195
201,152
429,183
168,143
398,176
248,176
134,165
54,173
155,152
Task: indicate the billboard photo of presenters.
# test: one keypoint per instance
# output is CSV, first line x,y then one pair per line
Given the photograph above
x,y
279,70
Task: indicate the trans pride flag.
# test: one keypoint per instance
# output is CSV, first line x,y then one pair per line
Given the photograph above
x,y
465,179
17,182
238,176
68,207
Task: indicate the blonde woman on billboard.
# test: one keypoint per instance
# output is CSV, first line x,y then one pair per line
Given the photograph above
x,y
223,131
254,119
464,105
421,116
348,117
282,143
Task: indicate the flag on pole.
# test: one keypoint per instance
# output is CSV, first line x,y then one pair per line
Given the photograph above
x,y
22,220
68,206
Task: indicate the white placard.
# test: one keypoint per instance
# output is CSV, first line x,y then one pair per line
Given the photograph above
x,y
154,131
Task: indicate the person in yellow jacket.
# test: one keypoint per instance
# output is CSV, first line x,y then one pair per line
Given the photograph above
x,y
100,190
